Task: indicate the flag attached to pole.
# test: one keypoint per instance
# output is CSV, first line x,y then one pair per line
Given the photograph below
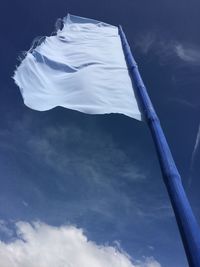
x,y
82,68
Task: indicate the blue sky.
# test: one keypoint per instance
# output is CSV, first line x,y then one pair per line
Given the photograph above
x,y
100,173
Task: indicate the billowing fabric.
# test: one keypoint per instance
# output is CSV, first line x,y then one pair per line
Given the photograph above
x,y
82,68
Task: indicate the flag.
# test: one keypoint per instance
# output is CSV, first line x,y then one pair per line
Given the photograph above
x,y
82,68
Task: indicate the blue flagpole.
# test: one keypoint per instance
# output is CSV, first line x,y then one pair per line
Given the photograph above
x,y
186,221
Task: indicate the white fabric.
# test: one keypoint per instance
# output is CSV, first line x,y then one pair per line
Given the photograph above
x,y
82,68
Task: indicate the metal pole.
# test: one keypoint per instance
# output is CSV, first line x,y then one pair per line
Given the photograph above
x,y
186,221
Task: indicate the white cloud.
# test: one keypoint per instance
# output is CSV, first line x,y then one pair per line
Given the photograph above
x,y
168,49
194,154
41,245
189,54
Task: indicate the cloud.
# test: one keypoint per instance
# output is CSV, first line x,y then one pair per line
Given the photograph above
x,y
146,42
91,159
90,154
154,43
101,167
188,53
168,49
72,150
157,212
41,245
194,154
184,102
181,59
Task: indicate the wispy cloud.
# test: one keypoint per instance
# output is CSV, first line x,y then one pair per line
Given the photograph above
x,y
89,158
158,212
92,160
184,102
194,154
146,42
85,151
188,53
153,43
182,59
39,244
167,49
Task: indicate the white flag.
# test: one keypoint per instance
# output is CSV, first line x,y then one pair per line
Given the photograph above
x,y
82,68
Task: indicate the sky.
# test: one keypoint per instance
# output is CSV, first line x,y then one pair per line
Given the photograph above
x,y
90,185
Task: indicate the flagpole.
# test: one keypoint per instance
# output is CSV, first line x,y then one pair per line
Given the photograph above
x,y
185,218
